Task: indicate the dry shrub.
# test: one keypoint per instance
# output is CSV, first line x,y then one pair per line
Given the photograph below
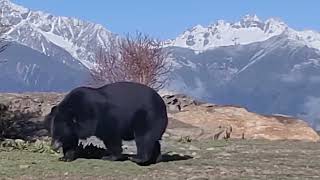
x,y
139,59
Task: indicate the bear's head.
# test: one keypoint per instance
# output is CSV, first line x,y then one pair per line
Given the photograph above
x,y
60,125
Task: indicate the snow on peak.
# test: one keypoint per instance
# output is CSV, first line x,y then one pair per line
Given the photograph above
x,y
7,4
308,37
248,30
249,17
39,30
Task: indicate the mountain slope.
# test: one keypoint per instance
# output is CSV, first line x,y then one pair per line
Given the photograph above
x,y
248,30
49,34
265,66
279,75
26,69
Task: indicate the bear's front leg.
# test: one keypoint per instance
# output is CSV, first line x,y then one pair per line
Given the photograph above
x,y
115,149
148,152
68,155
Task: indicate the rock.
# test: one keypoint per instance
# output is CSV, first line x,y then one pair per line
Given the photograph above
x,y
22,114
237,123
194,148
173,108
41,133
173,105
165,135
197,157
19,141
192,133
178,102
221,132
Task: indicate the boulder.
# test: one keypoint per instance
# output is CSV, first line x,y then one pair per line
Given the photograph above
x,y
21,115
238,123
178,102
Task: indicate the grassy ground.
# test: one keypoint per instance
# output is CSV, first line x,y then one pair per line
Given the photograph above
x,y
238,159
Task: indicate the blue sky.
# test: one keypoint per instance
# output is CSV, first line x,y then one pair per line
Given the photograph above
x,y
168,18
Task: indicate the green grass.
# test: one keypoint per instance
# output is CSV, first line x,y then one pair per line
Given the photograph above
x,y
237,159
18,163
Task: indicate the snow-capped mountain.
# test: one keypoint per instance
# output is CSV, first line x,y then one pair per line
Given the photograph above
x,y
49,34
276,76
26,69
248,30
265,66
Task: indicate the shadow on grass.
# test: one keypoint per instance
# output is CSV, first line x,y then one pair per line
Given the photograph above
x,y
164,158
174,157
92,152
98,153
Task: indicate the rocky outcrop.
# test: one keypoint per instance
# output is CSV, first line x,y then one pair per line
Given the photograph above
x,y
22,116
178,102
236,122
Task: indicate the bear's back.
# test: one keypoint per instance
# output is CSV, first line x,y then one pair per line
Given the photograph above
x,y
127,95
130,94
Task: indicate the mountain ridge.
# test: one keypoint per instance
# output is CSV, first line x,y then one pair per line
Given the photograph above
x,y
248,30
40,30
265,66
276,76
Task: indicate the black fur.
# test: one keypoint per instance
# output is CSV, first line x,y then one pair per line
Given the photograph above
x,y
114,112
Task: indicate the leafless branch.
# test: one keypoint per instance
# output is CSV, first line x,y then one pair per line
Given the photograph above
x,y
138,59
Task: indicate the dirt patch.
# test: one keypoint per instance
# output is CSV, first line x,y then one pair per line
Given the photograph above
x,y
174,123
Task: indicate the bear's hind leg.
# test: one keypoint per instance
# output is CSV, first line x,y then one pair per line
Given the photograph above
x,y
148,152
156,154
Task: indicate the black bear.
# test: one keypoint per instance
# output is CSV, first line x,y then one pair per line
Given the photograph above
x,y
114,112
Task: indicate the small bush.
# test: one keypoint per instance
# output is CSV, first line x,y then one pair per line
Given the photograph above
x,y
14,124
39,146
139,59
185,139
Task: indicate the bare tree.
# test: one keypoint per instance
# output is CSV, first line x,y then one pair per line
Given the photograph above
x,y
107,65
138,59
